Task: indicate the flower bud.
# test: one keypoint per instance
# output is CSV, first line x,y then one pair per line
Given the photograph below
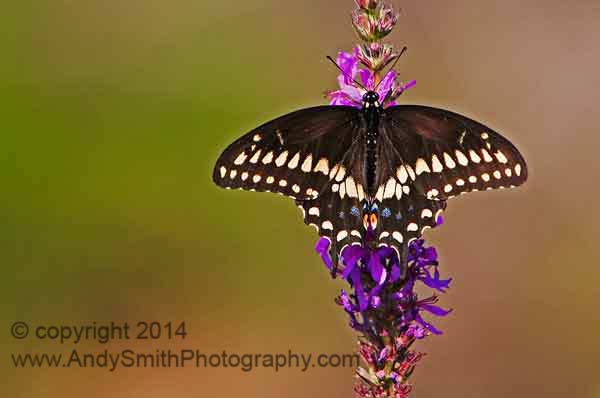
x,y
367,4
372,25
376,56
386,21
365,25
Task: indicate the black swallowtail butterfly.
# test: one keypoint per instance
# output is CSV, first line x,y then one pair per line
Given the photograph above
x,y
389,170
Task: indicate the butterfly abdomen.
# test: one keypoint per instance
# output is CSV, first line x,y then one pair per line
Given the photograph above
x,y
371,116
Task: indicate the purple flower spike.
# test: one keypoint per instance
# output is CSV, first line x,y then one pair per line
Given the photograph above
x,y
382,302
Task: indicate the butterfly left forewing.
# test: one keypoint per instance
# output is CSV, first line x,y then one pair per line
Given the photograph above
x,y
295,155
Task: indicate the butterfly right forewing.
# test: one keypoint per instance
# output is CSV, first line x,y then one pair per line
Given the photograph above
x,y
450,153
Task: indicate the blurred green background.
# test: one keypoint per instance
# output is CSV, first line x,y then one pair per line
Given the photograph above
x,y
113,113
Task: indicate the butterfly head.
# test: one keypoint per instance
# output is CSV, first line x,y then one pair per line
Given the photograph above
x,y
371,99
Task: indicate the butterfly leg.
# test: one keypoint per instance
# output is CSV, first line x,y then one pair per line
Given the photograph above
x,y
403,261
335,258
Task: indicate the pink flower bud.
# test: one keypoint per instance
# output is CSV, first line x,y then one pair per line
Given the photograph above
x,y
365,25
376,56
367,4
386,21
374,24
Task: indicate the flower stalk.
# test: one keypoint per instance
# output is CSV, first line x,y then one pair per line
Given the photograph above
x,y
381,302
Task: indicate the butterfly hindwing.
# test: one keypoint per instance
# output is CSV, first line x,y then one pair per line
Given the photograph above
x,y
401,221
448,153
337,213
338,220
403,210
295,155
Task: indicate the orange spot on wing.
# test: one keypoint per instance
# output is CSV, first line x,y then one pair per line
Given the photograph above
x,y
373,220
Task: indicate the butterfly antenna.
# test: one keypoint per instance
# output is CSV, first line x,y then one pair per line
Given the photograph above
x,y
393,66
344,73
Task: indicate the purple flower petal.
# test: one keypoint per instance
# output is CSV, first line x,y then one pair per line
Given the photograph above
x,y
395,274
426,325
398,296
383,354
348,63
434,309
430,254
350,256
375,291
378,272
438,284
435,282
346,303
375,301
387,84
409,85
342,98
416,331
351,91
387,252
322,248
367,78
359,290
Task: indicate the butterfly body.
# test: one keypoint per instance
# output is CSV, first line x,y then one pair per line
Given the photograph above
x,y
386,173
371,112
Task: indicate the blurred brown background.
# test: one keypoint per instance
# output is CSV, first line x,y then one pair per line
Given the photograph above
x,y
113,113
